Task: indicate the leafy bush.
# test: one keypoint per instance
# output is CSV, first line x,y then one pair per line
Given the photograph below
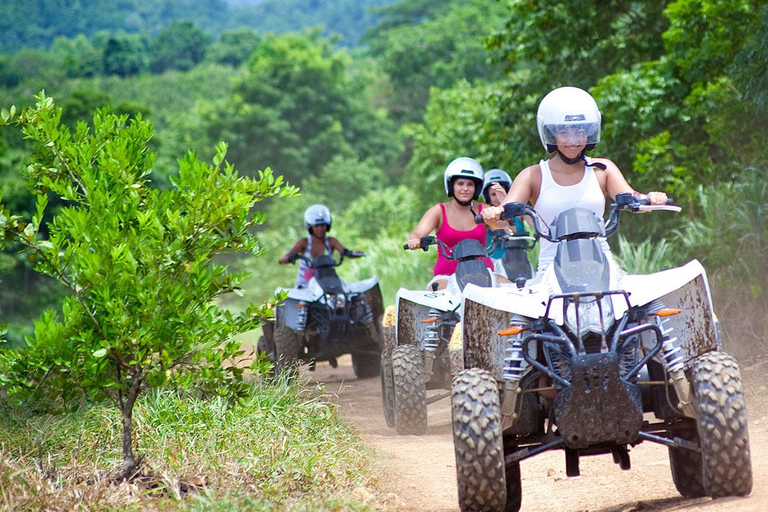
x,y
138,262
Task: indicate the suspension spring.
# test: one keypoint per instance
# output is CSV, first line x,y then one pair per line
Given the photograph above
x,y
301,316
431,339
670,350
514,363
367,314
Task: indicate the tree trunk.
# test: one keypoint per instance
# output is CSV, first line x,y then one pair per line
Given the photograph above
x,y
129,460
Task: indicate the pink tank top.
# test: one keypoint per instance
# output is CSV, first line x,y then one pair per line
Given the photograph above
x,y
450,237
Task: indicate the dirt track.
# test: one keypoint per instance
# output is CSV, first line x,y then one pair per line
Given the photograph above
x,y
418,472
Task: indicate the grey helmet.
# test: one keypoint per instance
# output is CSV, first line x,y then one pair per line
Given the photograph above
x,y
568,107
495,176
463,167
317,214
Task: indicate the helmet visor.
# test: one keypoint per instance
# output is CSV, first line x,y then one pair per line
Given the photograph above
x,y
573,134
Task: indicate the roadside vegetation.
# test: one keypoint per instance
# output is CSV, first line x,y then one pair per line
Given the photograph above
x,y
278,448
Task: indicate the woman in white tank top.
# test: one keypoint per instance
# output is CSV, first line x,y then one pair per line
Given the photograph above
x,y
568,121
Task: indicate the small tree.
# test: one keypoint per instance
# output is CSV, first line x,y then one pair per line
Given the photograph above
x,y
140,264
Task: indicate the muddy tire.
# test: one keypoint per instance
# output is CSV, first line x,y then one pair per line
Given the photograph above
x,y
410,391
366,363
287,351
387,391
722,425
687,468
478,444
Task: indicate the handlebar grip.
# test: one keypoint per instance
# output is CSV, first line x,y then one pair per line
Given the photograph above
x,y
670,201
405,247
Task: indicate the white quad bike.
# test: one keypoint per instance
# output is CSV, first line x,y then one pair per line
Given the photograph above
x,y
326,319
590,360
418,330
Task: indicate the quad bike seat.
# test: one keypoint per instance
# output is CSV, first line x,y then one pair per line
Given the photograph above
x,y
327,277
473,271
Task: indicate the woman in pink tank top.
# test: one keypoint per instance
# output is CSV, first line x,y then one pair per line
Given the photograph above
x,y
454,220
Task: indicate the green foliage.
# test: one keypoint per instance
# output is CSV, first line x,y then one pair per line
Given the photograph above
x,y
646,257
433,44
125,55
234,46
295,110
279,449
455,125
139,264
180,46
348,19
37,24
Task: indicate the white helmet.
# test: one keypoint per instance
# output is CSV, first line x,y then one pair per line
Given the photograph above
x,y
317,214
463,167
495,176
568,107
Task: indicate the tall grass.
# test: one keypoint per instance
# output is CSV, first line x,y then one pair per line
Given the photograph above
x,y
279,450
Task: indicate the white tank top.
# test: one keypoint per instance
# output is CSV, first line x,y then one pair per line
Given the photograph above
x,y
554,199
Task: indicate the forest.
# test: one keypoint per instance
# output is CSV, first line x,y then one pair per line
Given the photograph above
x,y
367,129
186,138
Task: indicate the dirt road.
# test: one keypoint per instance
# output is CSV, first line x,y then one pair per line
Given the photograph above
x,y
418,473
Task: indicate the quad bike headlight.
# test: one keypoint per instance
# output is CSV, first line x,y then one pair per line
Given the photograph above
x,y
588,314
339,301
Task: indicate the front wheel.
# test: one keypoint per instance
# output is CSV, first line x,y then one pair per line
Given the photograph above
x,y
287,351
410,391
722,425
479,447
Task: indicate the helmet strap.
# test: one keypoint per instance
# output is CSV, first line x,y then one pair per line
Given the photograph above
x,y
463,203
573,160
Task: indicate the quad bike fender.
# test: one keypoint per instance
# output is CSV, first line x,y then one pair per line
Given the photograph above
x,y
413,306
287,314
485,312
364,285
309,294
530,301
685,288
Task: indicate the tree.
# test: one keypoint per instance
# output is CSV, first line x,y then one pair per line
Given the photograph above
x,y
296,108
140,264
427,44
234,46
124,55
180,46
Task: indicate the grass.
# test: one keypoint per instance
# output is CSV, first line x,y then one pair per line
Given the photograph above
x,y
280,450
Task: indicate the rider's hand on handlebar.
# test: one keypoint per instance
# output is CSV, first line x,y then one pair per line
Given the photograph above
x,y
657,197
492,213
413,243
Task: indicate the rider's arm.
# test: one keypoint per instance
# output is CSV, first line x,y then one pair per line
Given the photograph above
x,y
429,222
615,183
298,248
523,190
336,245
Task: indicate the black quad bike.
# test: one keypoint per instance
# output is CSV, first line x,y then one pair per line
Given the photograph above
x,y
326,319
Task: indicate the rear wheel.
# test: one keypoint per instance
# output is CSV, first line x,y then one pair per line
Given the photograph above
x,y
410,392
478,444
287,350
387,391
722,425
366,363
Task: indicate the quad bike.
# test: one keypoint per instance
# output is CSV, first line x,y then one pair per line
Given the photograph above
x,y
573,361
417,354
326,319
514,264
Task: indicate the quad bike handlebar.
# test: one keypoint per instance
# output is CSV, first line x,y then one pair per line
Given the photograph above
x,y
625,202
326,261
